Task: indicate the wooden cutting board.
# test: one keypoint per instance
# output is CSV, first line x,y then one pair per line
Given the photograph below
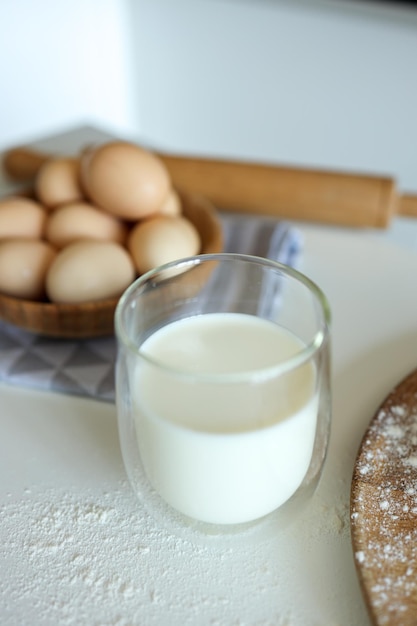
x,y
384,509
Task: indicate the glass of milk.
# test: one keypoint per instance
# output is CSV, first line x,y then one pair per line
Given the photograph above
x,y
223,390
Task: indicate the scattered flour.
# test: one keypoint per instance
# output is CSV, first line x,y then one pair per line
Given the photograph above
x,y
98,560
89,558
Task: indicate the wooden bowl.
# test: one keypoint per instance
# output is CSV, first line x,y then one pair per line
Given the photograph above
x,y
94,319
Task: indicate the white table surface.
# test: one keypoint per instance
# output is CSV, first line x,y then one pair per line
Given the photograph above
x,y
76,546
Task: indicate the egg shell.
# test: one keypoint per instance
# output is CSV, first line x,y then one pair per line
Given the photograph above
x,y
21,217
23,267
87,271
73,222
171,205
161,239
58,182
124,179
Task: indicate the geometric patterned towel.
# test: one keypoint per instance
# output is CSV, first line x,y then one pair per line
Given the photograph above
x,y
85,367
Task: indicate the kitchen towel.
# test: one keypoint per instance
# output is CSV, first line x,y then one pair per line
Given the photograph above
x,y
86,367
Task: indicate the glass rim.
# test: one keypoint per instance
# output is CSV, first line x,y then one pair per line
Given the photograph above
x,y
291,363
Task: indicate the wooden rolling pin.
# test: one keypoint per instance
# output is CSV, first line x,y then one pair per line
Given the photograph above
x,y
346,199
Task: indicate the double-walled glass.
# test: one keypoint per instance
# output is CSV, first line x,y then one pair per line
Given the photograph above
x,y
223,389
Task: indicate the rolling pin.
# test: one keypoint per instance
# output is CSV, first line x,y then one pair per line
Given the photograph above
x,y
345,199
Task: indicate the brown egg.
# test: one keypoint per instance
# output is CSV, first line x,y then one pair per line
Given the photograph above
x,y
124,179
171,205
161,239
21,217
57,182
87,271
23,267
81,220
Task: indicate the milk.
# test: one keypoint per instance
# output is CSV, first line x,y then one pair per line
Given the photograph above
x,y
223,438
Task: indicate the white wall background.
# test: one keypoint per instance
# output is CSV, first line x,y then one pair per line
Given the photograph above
x,y
320,83
326,83
62,63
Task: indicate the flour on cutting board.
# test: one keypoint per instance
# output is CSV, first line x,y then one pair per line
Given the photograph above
x,y
97,559
386,519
